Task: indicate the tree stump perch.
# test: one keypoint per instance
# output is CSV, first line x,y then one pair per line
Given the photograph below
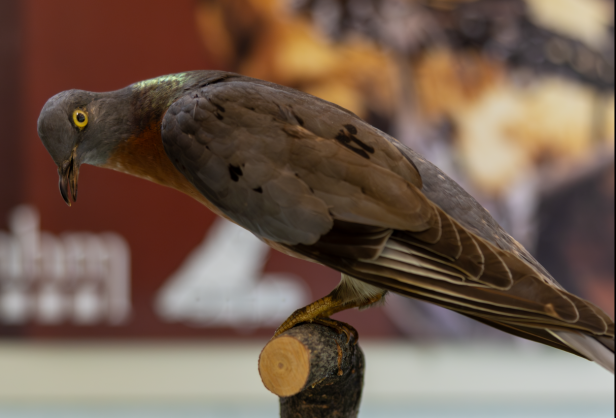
x,y
314,371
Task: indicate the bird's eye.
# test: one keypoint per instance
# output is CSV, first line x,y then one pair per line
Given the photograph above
x,y
80,118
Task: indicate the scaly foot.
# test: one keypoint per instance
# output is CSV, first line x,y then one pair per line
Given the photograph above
x,y
317,309
320,311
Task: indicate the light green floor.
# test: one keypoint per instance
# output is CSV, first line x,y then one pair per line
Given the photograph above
x,y
210,380
368,410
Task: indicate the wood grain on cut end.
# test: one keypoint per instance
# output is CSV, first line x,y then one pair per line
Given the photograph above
x,y
284,366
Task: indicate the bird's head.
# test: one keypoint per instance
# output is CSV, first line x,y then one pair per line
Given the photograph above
x,y
79,127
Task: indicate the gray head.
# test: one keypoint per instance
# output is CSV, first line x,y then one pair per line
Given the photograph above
x,y
79,127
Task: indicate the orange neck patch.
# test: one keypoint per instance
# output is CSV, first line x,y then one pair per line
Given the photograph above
x,y
144,156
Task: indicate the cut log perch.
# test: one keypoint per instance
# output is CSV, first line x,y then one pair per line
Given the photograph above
x,y
314,371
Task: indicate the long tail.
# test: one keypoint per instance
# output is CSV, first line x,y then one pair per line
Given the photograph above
x,y
597,349
504,288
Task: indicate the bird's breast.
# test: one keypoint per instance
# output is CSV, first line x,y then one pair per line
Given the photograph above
x,y
144,156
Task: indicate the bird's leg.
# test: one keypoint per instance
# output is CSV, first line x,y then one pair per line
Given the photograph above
x,y
346,296
319,312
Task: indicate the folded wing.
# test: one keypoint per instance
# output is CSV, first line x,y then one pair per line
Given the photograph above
x,y
313,177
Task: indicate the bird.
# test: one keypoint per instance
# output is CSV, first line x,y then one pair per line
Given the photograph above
x,y
314,181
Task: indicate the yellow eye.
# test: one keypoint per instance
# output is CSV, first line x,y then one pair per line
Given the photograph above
x,y
80,118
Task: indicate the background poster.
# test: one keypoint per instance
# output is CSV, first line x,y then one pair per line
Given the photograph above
x,y
514,99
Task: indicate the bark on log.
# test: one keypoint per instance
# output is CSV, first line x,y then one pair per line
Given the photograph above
x,y
314,371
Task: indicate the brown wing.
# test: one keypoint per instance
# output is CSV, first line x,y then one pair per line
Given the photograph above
x,y
242,145
302,172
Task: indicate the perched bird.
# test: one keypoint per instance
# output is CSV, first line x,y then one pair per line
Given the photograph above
x,y
314,181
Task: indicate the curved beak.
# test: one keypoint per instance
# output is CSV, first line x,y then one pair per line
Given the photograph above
x,y
68,174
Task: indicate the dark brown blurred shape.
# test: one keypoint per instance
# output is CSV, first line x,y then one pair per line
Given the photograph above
x,y
576,234
11,43
510,31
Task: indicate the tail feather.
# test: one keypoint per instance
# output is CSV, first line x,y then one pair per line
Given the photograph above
x,y
590,347
493,285
606,341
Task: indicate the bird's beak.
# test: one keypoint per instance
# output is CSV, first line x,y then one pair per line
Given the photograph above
x,y
69,173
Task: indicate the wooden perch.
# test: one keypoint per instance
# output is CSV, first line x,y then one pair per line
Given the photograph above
x,y
314,371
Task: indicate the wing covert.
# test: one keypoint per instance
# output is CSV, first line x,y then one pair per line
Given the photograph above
x,y
285,167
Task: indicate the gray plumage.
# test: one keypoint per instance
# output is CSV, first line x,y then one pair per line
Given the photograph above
x,y
315,181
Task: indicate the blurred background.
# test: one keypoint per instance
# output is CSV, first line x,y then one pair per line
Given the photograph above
x,y
131,303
